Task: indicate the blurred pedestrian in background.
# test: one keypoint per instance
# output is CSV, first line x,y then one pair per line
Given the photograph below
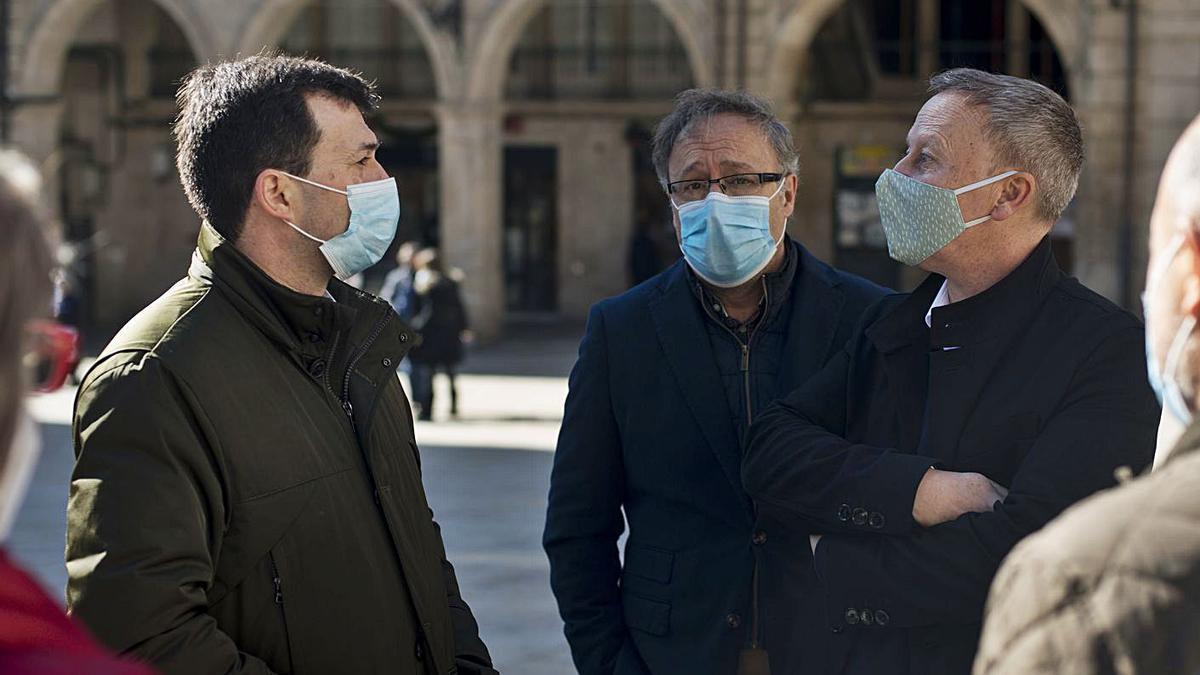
x,y
398,284
441,317
35,636
1112,585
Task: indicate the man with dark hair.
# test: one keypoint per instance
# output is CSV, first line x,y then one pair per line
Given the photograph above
x,y
961,417
247,494
669,377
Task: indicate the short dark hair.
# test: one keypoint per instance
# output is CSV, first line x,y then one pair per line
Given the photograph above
x,y
237,118
698,105
1030,128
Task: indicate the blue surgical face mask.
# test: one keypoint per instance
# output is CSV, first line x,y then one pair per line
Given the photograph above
x,y
1163,382
374,216
919,219
727,240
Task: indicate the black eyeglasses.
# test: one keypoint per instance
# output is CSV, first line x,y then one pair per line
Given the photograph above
x,y
736,185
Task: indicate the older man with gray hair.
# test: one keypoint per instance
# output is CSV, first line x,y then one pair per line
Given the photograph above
x,y
964,415
669,377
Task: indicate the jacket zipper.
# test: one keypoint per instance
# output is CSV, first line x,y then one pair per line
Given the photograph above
x,y
746,351
754,627
277,583
362,351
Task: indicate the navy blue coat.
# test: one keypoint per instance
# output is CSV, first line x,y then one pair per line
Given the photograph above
x,y
647,431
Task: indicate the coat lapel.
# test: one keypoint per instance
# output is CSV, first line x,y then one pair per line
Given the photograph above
x,y
816,305
684,339
984,327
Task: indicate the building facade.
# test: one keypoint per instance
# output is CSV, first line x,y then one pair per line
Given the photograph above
x,y
519,129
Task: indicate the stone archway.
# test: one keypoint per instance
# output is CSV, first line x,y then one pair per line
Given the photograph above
x,y
488,63
273,18
51,33
798,28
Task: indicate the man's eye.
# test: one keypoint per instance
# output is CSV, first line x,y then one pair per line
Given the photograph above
x,y
743,181
364,160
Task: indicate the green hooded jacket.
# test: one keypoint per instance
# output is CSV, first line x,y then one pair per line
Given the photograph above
x,y
247,493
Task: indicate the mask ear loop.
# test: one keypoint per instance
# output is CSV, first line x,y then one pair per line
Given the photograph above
x,y
317,185
975,186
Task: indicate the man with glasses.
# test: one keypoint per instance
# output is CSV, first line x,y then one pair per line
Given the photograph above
x,y
669,377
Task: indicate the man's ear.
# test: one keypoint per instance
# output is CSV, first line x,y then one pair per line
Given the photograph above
x,y
791,187
277,195
1017,192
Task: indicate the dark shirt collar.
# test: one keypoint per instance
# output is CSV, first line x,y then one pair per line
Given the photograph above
x,y
1007,306
778,286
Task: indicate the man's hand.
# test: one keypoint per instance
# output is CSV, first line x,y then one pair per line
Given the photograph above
x,y
943,496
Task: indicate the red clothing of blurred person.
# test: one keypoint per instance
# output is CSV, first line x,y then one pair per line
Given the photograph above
x,y
36,638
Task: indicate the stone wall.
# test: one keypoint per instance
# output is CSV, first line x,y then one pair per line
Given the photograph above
x,y
758,44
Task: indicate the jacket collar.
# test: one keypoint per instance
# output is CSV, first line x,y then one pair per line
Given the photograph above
x,y
1006,306
297,322
778,286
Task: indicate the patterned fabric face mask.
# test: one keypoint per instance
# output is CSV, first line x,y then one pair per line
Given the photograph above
x,y
919,219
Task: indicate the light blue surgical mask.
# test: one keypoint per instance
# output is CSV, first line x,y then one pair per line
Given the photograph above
x,y
374,216
727,240
920,219
1164,384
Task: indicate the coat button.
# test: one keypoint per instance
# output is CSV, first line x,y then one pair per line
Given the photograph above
x,y
733,620
852,616
759,538
877,520
387,363
860,517
317,368
318,310
843,513
881,617
866,617
404,337
420,651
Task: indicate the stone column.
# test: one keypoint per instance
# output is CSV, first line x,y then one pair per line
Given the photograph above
x,y
470,177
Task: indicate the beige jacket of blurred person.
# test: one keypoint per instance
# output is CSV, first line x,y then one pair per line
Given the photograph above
x,y
1113,586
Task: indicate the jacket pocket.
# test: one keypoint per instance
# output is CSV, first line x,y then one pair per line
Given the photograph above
x,y
650,563
277,588
644,614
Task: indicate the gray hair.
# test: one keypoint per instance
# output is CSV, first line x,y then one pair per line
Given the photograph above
x,y
698,105
1030,128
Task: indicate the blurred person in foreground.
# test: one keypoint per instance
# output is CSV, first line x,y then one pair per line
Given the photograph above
x,y
1113,585
670,374
962,416
247,493
36,637
439,314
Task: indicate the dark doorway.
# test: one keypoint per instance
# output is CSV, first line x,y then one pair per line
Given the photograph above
x,y
531,228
